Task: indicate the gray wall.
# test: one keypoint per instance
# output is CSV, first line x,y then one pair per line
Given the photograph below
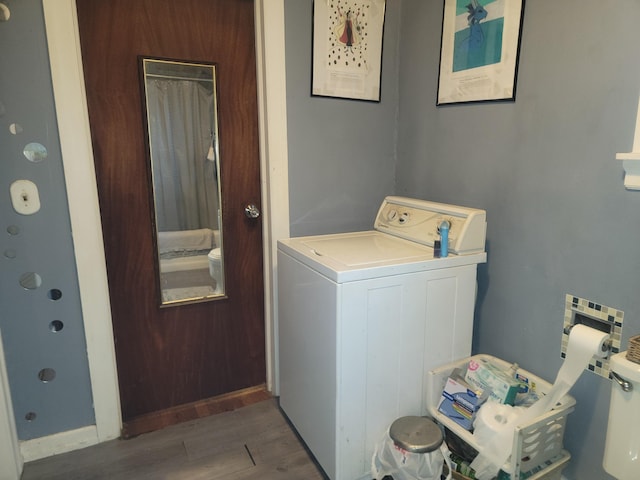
x,y
43,243
544,168
341,152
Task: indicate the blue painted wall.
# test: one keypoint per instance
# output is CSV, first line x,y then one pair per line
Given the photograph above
x,y
544,168
43,244
341,152
559,218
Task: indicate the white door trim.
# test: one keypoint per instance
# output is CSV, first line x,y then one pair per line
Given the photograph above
x,y
77,157
75,139
11,461
274,161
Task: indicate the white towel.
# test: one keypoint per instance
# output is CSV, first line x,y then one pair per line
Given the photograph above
x,y
201,239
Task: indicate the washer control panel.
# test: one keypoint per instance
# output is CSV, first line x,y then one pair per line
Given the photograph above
x,y
419,221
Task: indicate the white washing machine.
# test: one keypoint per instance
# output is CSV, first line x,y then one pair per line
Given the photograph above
x,y
364,316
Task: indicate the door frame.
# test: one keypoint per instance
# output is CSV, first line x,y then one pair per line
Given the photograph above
x,y
71,109
11,461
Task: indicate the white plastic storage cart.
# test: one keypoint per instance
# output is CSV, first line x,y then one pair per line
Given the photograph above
x,y
537,452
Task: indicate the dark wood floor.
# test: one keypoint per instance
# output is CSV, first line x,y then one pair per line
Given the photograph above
x,y
253,442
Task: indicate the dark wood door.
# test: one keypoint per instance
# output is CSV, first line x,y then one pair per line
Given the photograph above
x,y
175,355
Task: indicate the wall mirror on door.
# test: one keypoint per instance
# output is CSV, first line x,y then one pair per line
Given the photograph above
x,y
184,165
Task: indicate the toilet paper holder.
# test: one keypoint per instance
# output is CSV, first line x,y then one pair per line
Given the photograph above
x,y
603,326
600,317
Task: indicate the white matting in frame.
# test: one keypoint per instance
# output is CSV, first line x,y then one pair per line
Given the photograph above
x,y
347,48
479,53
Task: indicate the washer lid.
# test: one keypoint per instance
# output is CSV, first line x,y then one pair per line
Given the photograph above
x,y
348,257
366,249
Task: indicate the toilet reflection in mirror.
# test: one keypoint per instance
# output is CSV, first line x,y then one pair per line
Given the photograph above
x,y
182,127
5,13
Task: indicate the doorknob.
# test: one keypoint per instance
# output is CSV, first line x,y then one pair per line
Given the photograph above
x,y
251,211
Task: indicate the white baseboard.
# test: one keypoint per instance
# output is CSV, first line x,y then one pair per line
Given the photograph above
x,y
58,443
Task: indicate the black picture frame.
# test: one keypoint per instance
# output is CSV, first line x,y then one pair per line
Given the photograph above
x,y
479,51
347,49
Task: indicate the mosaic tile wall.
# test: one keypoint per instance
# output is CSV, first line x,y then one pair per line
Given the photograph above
x,y
607,315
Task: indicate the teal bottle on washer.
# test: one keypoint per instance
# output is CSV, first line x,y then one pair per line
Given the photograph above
x,y
444,238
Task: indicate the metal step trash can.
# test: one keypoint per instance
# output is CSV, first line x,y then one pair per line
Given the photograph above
x,y
413,448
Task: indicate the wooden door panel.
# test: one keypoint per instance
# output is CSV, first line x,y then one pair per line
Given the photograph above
x,y
175,355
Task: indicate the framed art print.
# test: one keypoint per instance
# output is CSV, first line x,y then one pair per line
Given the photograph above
x,y
347,48
479,50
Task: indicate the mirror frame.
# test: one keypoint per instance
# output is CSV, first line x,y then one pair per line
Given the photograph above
x,y
150,183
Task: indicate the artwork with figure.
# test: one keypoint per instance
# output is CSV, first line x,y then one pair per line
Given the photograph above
x,y
479,52
347,49
348,37
479,42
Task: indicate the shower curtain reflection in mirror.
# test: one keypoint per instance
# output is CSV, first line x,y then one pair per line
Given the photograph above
x,y
182,129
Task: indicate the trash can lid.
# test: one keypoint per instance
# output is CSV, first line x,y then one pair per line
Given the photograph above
x,y
416,434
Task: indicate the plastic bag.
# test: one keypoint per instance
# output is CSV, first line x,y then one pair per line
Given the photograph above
x,y
388,459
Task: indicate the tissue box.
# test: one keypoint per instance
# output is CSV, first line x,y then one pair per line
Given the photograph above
x,y
460,401
483,374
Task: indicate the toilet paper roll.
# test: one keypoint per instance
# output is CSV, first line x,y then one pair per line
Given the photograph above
x,y
584,343
491,419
